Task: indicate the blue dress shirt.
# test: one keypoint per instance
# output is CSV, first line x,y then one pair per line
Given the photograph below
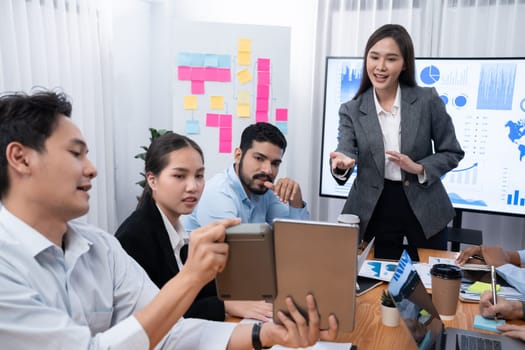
x,y
224,197
83,296
513,274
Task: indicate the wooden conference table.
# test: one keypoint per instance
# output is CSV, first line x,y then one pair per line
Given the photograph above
x,y
369,332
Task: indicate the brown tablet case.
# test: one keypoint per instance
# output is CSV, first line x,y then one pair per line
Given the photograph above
x,y
318,258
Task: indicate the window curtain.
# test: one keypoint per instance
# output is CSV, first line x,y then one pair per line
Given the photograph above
x,y
445,28
64,45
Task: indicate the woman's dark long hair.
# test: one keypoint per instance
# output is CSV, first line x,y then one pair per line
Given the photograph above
x,y
403,40
157,156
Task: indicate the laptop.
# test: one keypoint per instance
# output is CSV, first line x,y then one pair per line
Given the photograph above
x,y
422,320
318,258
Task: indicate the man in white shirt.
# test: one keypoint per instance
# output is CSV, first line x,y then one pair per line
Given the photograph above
x,y
68,285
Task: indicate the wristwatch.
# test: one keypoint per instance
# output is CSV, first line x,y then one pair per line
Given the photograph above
x,y
256,337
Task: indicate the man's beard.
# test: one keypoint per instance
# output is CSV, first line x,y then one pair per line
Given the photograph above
x,y
249,183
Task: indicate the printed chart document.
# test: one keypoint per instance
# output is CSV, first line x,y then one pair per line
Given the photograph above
x,y
378,269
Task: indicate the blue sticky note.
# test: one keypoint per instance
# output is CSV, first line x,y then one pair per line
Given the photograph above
x,y
283,126
192,127
487,324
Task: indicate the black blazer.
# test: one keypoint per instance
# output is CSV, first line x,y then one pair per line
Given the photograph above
x,y
146,240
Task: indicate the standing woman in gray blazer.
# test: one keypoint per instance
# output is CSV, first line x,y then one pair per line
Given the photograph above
x,y
402,140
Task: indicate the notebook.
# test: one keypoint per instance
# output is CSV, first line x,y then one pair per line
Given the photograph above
x,y
422,320
321,258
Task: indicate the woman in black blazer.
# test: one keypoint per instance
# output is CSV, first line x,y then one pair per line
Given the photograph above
x,y
153,235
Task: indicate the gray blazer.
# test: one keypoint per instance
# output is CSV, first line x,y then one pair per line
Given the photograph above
x,y
424,123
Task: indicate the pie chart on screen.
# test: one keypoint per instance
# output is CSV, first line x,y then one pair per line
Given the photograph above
x,y
430,75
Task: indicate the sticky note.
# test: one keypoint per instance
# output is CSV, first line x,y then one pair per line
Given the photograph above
x,y
243,59
211,60
243,110
184,73
263,91
212,120
243,97
244,76
190,102
192,127
263,78
479,287
261,116
245,45
197,87
217,102
283,126
487,324
225,120
263,64
281,114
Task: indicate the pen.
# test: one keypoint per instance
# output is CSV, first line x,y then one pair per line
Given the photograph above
x,y
493,280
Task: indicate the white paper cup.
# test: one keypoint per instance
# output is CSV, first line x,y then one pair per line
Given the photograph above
x,y
348,219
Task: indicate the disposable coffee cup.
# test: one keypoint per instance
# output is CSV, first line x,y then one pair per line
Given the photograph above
x,y
446,282
348,219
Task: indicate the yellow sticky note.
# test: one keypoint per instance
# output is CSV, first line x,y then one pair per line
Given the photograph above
x,y
243,96
243,58
243,110
190,102
217,102
479,287
245,45
244,76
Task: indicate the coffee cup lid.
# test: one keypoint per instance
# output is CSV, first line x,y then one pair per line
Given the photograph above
x,y
348,218
446,271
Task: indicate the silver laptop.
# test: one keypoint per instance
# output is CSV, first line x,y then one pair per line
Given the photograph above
x,y
422,320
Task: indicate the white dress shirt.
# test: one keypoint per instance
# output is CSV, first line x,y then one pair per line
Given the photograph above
x,y
83,296
177,235
390,122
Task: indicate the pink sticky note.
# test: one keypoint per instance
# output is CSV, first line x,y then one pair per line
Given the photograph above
x,y
197,73
261,117
224,74
184,73
263,78
262,105
197,87
225,134
225,120
225,147
212,120
263,91
281,114
210,74
263,64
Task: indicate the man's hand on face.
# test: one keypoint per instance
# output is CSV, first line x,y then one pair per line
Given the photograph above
x,y
288,191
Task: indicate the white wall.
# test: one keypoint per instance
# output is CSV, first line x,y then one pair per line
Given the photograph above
x,y
132,90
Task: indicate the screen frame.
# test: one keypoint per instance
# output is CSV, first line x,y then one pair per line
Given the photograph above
x,y
322,193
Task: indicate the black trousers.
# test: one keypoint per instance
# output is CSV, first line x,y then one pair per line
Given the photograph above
x,y
394,219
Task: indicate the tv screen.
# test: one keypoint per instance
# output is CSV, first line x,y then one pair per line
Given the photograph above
x,y
485,98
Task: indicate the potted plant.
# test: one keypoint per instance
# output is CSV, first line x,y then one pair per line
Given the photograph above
x,y
389,312
154,133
